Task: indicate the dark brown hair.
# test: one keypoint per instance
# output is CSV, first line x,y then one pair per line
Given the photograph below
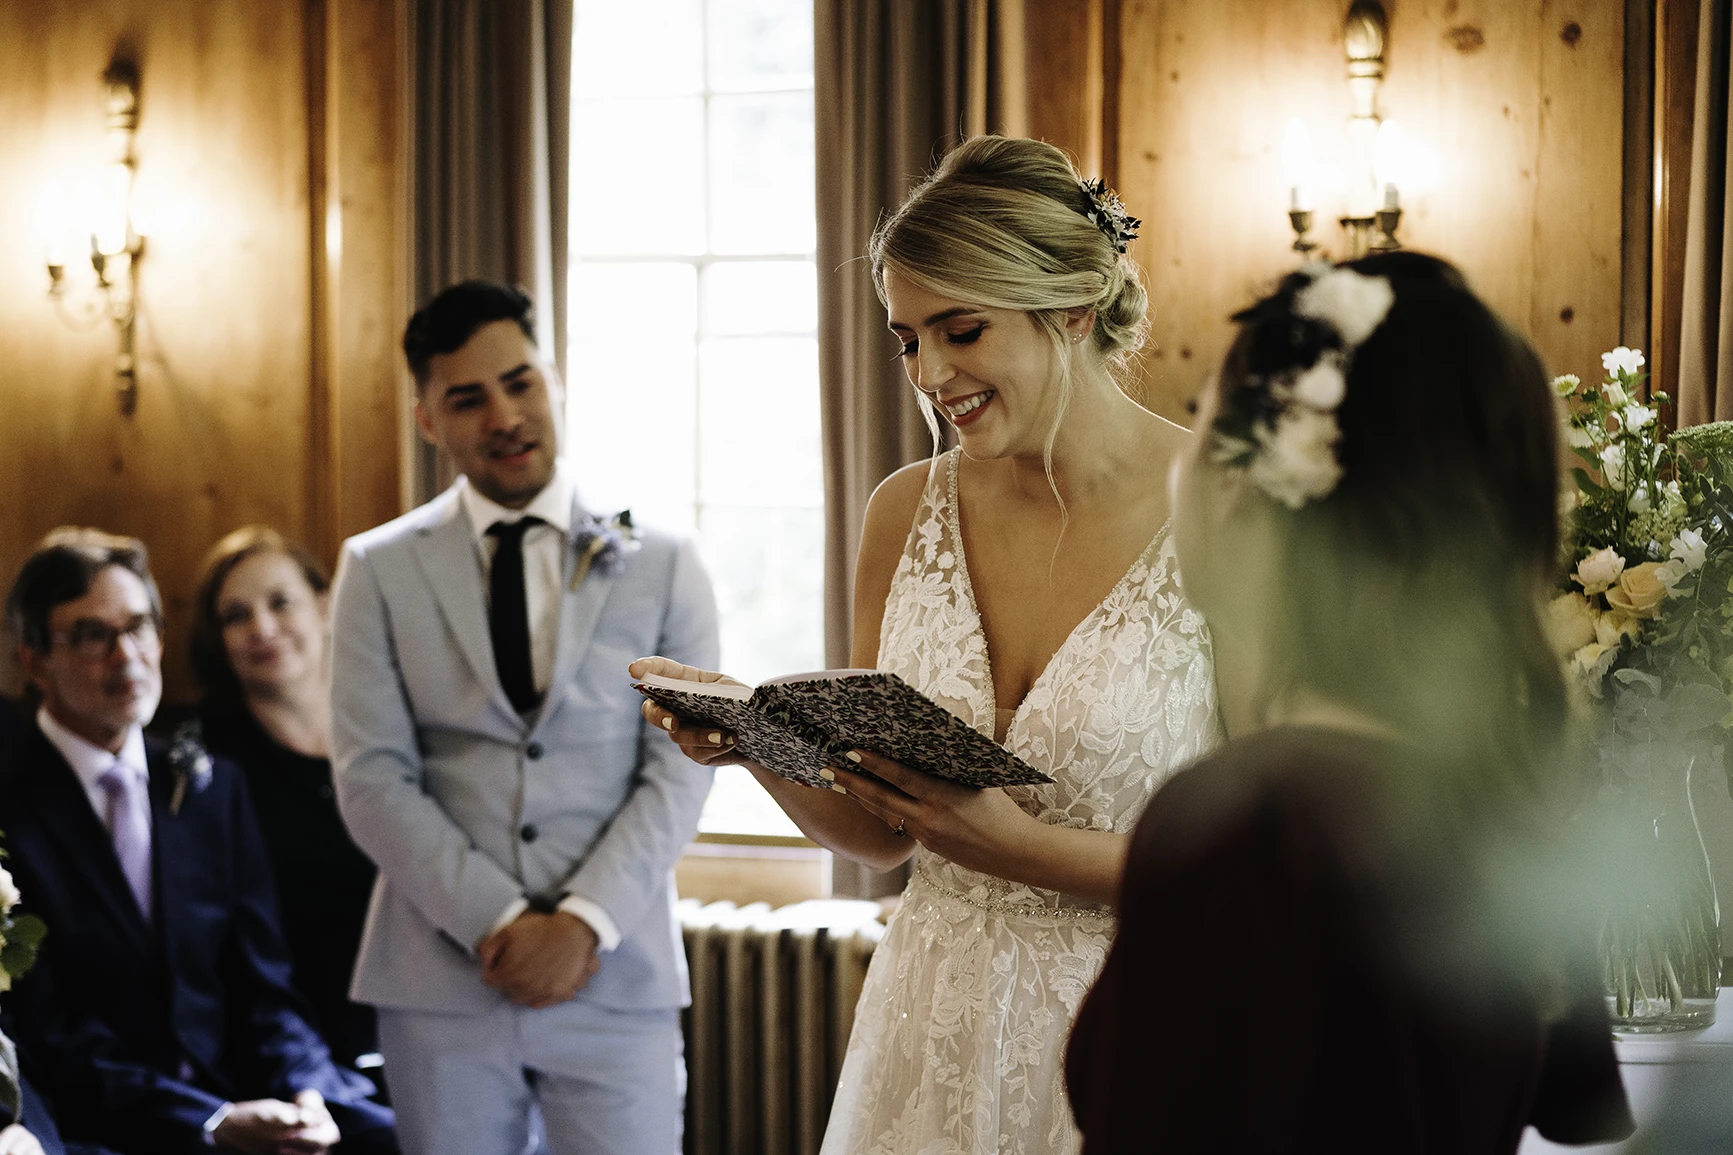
x,y
1413,591
61,569
446,323
210,656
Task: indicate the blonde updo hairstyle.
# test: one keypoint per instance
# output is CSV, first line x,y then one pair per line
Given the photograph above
x,y
1001,223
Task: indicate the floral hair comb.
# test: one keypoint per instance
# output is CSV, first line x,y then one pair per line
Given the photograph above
x,y
1107,213
1281,427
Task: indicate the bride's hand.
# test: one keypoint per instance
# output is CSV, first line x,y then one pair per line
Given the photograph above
x,y
705,745
976,828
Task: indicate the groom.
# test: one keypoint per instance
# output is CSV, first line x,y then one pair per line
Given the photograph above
x,y
490,757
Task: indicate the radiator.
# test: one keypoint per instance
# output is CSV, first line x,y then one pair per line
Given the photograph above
x,y
773,998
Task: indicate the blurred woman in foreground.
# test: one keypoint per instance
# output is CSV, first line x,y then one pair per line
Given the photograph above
x,y
1350,928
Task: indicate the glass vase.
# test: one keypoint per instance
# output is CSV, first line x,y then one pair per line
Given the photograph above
x,y
1661,929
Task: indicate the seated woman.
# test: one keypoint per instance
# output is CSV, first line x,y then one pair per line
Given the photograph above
x,y
260,644
1338,931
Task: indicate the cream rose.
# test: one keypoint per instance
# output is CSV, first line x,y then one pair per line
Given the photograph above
x,y
1592,662
1613,628
8,891
1599,570
1639,591
1570,623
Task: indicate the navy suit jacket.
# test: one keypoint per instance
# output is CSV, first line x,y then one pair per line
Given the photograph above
x,y
145,1029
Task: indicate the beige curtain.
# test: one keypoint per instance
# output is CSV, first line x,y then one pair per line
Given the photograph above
x,y
1705,388
491,85
897,84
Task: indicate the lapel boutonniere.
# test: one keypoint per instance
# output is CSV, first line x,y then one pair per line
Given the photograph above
x,y
190,762
602,545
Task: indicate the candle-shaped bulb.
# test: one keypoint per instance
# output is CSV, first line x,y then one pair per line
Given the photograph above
x,y
1297,161
1389,163
113,222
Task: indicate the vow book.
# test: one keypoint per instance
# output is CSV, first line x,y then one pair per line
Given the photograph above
x,y
802,725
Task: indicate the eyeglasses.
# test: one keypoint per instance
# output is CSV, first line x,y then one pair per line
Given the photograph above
x,y
94,640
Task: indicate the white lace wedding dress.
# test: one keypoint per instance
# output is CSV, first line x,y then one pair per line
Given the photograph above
x,y
959,1038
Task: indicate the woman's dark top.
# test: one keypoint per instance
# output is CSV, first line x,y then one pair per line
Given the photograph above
x,y
323,879
1306,962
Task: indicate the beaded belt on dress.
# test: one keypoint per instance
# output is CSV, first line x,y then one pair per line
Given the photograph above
x,y
1017,909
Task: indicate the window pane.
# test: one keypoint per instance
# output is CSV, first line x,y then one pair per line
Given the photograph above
x,y
643,46
761,173
758,422
638,176
631,416
768,566
751,297
739,805
760,44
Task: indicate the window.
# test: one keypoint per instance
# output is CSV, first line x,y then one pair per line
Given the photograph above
x,y
693,398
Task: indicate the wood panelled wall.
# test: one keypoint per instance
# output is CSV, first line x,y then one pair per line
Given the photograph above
x,y
269,182
1519,104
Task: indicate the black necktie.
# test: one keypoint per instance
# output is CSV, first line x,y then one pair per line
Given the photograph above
x,y
509,615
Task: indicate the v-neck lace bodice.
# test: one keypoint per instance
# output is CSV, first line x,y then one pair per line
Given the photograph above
x,y
960,1031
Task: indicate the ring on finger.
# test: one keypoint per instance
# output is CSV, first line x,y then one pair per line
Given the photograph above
x,y
899,831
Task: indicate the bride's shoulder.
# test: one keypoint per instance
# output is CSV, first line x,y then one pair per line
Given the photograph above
x,y
897,498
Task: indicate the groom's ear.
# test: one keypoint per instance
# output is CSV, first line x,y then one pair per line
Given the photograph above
x,y
423,420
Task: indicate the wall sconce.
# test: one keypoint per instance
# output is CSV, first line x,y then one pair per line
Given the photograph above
x,y
100,215
1377,158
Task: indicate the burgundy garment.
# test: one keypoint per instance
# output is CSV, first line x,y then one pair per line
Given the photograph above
x,y
1306,962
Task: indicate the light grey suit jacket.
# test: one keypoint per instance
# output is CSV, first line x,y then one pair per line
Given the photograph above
x,y
466,805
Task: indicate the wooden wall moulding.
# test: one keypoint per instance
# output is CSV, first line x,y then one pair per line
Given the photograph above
x,y
268,387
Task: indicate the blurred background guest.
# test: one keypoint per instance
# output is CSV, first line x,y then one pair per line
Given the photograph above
x,y
260,648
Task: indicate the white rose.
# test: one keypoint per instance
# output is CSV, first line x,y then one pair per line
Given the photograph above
x,y
1321,386
1615,395
1622,362
1637,416
1352,303
1615,627
8,891
1298,461
1690,550
1613,466
1565,384
1570,623
1599,570
1673,505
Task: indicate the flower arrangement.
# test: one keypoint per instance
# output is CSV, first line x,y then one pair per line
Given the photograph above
x,y
1645,623
1646,615
20,936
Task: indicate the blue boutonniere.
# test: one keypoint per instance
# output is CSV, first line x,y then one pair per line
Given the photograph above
x,y
190,761
602,545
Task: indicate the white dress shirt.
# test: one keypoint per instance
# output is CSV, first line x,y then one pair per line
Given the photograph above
x,y
544,574
90,762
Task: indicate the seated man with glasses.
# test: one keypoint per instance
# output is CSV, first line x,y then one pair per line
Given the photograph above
x,y
160,1010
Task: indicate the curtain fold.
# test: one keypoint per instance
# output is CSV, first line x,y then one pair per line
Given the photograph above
x,y
1705,388
897,84
489,179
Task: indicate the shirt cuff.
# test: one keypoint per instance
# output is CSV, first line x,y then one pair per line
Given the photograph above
x,y
506,918
607,934
215,1121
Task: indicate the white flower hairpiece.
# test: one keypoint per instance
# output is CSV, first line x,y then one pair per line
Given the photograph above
x,y
1285,433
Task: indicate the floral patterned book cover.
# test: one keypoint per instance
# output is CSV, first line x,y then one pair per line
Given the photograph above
x,y
802,725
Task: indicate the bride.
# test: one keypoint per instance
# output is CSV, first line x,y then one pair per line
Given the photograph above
x,y
1026,582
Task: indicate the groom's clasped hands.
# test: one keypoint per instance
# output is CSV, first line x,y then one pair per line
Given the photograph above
x,y
540,960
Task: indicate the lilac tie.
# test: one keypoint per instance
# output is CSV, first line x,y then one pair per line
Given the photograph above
x,y
129,827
